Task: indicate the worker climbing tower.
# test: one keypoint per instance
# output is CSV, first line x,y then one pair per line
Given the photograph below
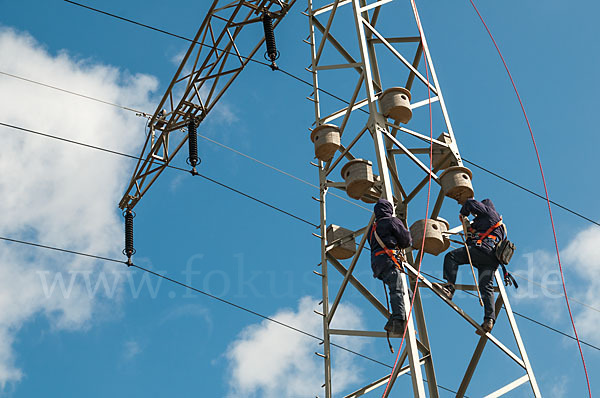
x,y
365,145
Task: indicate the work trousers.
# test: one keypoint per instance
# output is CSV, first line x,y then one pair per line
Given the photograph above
x,y
486,264
392,277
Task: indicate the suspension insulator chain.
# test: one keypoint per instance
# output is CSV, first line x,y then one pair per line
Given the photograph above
x,y
193,159
271,54
129,250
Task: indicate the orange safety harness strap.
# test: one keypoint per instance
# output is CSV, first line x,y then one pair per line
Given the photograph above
x,y
487,233
391,253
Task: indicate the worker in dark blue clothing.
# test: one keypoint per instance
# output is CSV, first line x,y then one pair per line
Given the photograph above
x,y
387,238
485,232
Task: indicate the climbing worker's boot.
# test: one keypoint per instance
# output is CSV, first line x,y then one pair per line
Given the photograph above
x,y
487,326
395,327
447,289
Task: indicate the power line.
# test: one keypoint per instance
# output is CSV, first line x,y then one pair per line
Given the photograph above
x,y
251,312
166,32
216,48
221,184
204,45
169,166
147,115
556,292
141,113
531,192
147,26
524,316
235,190
278,170
227,302
23,242
104,258
254,159
186,286
226,186
265,203
331,95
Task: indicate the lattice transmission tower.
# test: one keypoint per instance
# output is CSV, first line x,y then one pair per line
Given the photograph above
x,y
384,73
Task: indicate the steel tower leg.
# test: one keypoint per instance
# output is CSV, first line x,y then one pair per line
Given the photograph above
x,y
325,289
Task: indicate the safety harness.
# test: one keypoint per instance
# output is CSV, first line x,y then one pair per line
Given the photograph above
x,y
500,249
392,254
486,234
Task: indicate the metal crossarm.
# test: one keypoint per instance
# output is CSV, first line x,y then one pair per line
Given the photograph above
x,y
211,64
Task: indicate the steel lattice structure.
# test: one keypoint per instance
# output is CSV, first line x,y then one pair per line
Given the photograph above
x,y
352,63
211,64
215,59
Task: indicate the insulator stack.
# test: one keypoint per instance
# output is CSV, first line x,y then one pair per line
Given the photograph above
x,y
272,54
129,250
193,159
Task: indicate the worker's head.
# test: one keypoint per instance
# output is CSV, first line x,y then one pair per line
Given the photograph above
x,y
383,208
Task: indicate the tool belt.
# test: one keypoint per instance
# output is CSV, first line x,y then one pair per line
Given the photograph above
x,y
504,251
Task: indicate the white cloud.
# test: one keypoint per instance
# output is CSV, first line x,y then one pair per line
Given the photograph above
x,y
558,387
581,266
583,256
176,182
539,282
178,57
131,349
58,193
269,360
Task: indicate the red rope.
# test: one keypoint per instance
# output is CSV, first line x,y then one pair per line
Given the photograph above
x,y
546,192
421,34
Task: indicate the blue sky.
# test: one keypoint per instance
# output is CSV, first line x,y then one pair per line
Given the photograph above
x,y
149,338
